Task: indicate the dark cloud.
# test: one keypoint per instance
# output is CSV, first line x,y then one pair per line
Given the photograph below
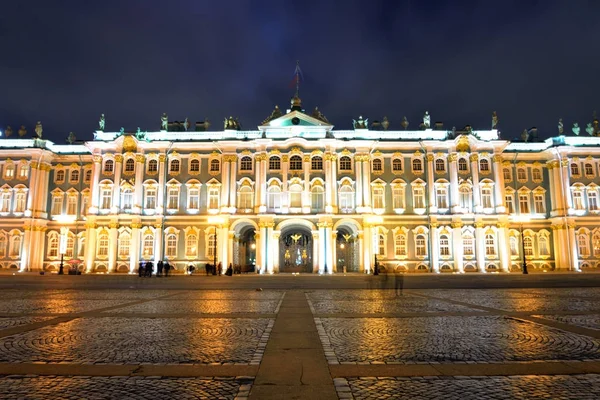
x,y
66,62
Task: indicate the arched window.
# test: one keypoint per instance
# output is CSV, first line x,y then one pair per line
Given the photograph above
x,y
174,166
400,245
514,246
589,169
543,247
24,171
381,244
295,195
130,165
152,166
397,164
9,171
583,245
596,244
60,175
70,245
521,174
195,165
317,198
124,245
245,196
466,198
507,174
215,166
536,174
295,163
444,246
346,197
421,246
468,245
378,194
109,166
191,245
127,199
345,163
528,245
463,165
274,198
377,165
574,169
274,163
53,246
316,163
171,245
212,245
246,164
3,245
102,250
148,245
490,245
15,245
74,176
417,165
484,165
88,176
440,165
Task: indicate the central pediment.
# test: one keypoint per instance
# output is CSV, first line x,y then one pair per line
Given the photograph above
x,y
295,124
294,118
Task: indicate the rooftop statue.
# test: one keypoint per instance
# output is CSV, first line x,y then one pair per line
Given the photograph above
x,y
494,120
385,123
404,122
525,135
39,129
276,113
231,123
319,115
576,128
71,138
164,122
22,131
560,126
589,129
101,123
427,120
360,124
9,131
186,124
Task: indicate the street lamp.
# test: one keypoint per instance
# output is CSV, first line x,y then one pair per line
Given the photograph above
x,y
523,249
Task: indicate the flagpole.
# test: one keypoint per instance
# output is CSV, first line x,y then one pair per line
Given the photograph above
x,y
297,78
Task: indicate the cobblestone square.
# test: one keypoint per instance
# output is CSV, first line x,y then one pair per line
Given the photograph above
x,y
54,306
205,306
140,340
392,305
10,322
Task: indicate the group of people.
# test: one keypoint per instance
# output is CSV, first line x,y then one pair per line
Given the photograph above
x,y
218,269
146,268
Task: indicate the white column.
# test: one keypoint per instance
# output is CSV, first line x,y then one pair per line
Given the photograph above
x,y
322,249
561,246
316,255
328,184
306,193
457,245
134,247
329,248
550,166
574,253
90,245
258,238
275,251
43,194
367,242
434,237
361,251
159,243
138,193
503,248
224,245
359,183
499,185
117,184
558,191
26,248
334,185
475,174
566,186
225,186
269,247
258,187
333,248
454,195
480,246
31,195
263,184
96,169
367,182
233,185
264,246
285,205
431,184
112,246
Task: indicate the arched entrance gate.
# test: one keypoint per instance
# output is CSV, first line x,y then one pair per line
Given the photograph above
x,y
296,249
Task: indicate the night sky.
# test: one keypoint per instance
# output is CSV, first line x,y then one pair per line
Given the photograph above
x,y
66,62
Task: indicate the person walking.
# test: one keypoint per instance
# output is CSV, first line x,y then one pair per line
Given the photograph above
x,y
207,268
159,268
229,271
141,269
220,268
167,268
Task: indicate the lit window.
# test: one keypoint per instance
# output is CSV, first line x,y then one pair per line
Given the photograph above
x,y
417,165
440,165
53,246
246,164
490,245
574,169
444,246
124,245
171,247
24,171
212,245
468,245
191,245
583,245
378,193
174,166
397,165
150,198
103,245
130,165
215,166
420,246
400,245
295,163
274,163
3,245
148,245
9,171
345,163
377,165
109,166
528,244
484,165
463,165
195,165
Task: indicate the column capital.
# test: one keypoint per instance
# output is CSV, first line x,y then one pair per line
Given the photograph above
x,y
452,157
478,224
498,158
140,158
119,158
113,225
97,158
456,224
136,225
474,157
430,157
162,157
564,162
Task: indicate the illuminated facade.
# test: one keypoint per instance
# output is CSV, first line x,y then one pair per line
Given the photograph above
x,y
295,195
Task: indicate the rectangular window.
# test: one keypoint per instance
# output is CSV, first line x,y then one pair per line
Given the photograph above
x,y
71,205
420,246
593,200
578,200
521,174
468,246
538,203
57,204
194,198
536,174
105,198
173,198
441,197
444,246
398,197
524,203
378,197
20,202
486,197
150,198
213,198
510,203
5,202
127,199
418,197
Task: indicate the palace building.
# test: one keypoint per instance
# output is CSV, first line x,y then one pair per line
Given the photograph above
x,y
296,195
